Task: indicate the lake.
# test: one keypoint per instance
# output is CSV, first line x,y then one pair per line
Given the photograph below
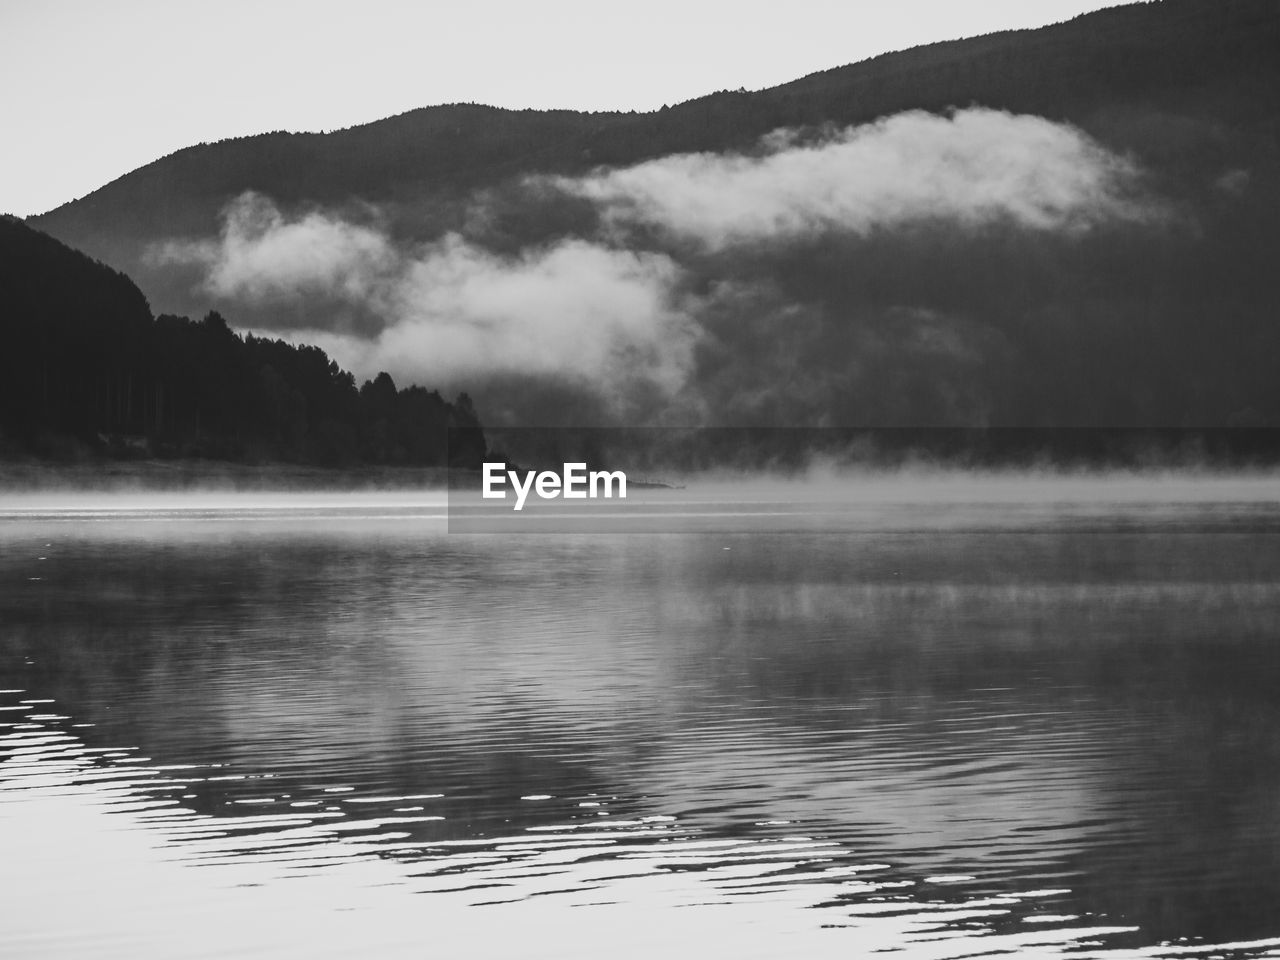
x,y
942,717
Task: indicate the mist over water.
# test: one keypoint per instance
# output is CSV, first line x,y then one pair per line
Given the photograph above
x,y
1023,715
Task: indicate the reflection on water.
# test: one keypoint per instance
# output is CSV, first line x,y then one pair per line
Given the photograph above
x,y
1047,737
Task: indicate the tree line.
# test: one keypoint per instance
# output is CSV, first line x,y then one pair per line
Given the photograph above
x,y
85,367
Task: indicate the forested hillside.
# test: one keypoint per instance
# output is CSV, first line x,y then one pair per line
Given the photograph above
x,y
86,369
1071,226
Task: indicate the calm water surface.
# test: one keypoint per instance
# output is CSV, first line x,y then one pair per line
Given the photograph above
x,y
1044,723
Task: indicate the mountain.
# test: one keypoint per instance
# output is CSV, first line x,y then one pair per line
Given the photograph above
x,y
69,324
1079,229
86,369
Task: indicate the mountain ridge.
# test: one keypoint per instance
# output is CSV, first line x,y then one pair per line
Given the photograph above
x,y
1145,300
824,90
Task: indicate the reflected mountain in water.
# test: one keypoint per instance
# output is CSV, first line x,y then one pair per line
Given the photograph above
x,y
971,735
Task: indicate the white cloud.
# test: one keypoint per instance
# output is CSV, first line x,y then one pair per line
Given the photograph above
x,y
262,255
597,312
575,311
606,319
975,167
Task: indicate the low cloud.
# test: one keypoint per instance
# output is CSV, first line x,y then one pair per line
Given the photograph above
x,y
261,255
972,168
594,316
604,289
600,318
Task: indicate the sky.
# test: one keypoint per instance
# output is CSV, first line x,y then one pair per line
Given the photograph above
x,y
94,89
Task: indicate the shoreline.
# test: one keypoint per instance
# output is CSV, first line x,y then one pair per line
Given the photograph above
x,y
174,476
26,477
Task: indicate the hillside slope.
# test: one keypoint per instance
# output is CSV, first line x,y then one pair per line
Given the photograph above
x,y
86,369
1199,58
1099,251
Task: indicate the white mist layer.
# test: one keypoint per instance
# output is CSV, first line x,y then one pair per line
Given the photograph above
x,y
975,167
262,255
575,311
613,314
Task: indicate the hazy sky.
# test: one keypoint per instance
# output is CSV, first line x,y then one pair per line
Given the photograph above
x,y
94,89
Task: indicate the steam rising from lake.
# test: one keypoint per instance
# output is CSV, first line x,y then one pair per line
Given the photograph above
x,y
825,499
